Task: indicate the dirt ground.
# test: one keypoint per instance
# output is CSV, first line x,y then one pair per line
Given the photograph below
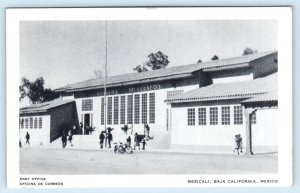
x,y
67,161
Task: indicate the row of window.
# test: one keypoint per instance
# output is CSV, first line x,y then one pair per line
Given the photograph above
x,y
140,109
31,123
214,117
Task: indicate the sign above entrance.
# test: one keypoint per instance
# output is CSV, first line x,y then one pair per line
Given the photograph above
x,y
123,90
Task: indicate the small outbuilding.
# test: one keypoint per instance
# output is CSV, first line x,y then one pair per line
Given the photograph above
x,y
45,121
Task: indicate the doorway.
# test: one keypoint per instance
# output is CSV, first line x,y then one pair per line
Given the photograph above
x,y
86,122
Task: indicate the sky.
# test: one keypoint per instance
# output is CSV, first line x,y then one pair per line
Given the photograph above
x,y
66,52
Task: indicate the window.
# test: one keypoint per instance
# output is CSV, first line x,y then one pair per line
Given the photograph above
x,y
102,111
213,115
202,116
35,123
40,122
225,115
87,104
31,122
152,108
26,123
122,110
238,115
129,109
144,108
191,117
109,110
22,123
137,109
253,118
91,119
116,110
173,93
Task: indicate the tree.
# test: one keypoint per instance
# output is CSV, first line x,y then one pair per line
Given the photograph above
x,y
35,91
249,51
199,61
155,61
49,95
215,57
140,68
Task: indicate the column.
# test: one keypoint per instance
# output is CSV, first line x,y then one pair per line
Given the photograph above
x,y
248,115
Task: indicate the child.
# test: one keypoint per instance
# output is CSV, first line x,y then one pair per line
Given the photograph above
x,y
144,143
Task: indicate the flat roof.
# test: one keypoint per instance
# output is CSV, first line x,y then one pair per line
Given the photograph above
x,y
43,107
232,90
168,73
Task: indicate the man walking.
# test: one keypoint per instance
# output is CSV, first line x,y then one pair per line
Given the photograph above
x,y
64,139
27,137
136,141
101,137
109,138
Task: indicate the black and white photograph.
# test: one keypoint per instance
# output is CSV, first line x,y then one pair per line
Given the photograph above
x,y
149,96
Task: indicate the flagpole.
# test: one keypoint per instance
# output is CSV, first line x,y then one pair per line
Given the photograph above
x,y
105,82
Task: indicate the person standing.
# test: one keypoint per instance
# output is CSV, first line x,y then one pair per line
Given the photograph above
x,y
64,139
101,137
136,141
128,141
27,137
86,129
147,132
109,138
70,138
81,127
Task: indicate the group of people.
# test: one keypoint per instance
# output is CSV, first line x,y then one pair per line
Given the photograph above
x,y
141,139
67,135
87,130
105,135
27,137
138,139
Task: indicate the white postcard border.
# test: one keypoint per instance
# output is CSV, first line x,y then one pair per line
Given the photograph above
x,y
282,14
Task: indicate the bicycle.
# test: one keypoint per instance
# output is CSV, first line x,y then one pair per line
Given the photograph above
x,y
123,148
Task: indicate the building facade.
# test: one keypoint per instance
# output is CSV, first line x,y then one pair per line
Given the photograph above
x,y
197,104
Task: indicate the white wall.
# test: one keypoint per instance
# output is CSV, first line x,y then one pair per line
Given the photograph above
x,y
37,136
234,78
203,135
264,132
160,111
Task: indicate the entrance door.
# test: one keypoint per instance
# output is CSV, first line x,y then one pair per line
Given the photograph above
x,y
86,123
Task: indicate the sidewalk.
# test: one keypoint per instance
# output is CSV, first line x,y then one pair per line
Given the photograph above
x,y
183,149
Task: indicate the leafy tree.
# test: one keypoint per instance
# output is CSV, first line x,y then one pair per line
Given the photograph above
x,y
35,91
140,68
199,61
49,95
249,51
215,57
155,61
